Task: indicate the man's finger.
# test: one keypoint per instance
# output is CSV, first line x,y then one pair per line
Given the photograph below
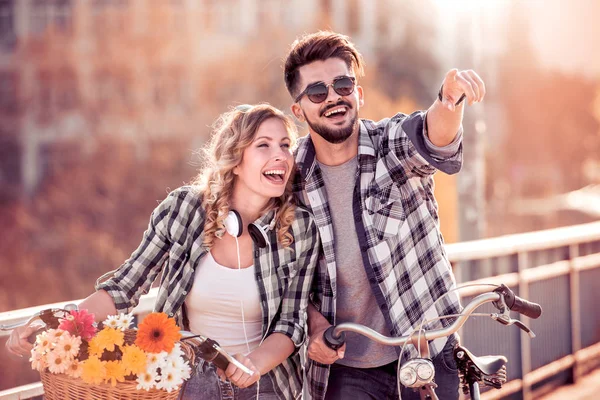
x,y
465,85
473,86
341,351
479,83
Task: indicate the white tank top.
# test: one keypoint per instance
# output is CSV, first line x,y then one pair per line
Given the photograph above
x,y
214,305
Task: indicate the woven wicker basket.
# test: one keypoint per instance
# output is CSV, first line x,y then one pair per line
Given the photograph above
x,y
64,387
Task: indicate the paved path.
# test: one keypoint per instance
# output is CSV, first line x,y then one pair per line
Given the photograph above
x,y
587,388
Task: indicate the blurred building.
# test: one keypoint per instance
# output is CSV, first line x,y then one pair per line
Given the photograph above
x,y
131,68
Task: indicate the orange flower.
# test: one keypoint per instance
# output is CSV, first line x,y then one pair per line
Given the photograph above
x,y
157,333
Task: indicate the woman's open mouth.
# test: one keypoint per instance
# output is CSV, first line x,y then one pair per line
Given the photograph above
x,y
276,176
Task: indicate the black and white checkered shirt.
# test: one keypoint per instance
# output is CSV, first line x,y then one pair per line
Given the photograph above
x,y
172,245
397,224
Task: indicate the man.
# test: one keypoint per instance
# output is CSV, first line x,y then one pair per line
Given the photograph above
x,y
370,187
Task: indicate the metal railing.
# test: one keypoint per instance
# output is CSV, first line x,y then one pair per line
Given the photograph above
x,y
556,268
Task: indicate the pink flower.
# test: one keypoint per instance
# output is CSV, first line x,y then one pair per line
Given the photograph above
x,y
79,323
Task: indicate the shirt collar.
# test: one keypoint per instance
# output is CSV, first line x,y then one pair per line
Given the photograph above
x,y
306,156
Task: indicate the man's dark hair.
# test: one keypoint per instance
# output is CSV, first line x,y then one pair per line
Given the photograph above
x,y
319,46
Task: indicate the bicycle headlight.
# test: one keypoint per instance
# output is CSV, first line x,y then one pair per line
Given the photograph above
x,y
408,375
417,372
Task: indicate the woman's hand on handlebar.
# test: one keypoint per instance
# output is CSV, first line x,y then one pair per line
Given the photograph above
x,y
319,351
237,376
18,343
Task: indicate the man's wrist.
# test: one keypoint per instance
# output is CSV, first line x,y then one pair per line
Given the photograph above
x,y
441,96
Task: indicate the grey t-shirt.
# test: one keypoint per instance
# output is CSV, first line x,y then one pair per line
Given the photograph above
x,y
355,300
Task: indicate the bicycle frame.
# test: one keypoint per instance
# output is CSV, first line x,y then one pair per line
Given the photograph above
x,y
502,297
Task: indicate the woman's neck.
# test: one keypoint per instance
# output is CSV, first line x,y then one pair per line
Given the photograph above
x,y
250,207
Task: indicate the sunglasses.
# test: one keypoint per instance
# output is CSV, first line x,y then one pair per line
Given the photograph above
x,y
318,92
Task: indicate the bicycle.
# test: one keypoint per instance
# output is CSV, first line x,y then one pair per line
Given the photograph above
x,y
419,373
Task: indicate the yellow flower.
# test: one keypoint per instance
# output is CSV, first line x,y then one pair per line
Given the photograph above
x,y
157,333
134,359
114,372
93,370
94,348
108,338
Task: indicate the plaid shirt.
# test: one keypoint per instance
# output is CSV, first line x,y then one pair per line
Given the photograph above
x,y
396,220
172,245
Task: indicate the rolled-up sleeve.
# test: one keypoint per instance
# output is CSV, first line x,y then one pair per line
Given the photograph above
x,y
409,142
134,278
293,316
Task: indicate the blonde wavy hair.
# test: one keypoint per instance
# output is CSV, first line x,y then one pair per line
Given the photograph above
x,y
233,132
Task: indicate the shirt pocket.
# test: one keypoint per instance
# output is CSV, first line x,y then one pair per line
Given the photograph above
x,y
385,208
287,268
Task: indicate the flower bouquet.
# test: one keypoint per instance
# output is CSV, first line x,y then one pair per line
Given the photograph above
x,y
78,360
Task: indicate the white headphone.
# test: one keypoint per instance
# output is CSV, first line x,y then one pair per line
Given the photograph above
x,y
233,226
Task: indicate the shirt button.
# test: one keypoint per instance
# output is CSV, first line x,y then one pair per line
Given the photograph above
x,y
170,314
185,292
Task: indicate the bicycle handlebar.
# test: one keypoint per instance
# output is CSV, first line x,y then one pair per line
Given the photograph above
x,y
517,304
334,335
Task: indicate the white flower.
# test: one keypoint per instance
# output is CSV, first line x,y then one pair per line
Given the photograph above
x,y
125,321
68,345
112,321
146,380
170,379
178,363
75,369
177,351
43,343
55,334
156,360
38,360
57,362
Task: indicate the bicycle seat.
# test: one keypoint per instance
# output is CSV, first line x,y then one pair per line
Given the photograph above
x,y
489,365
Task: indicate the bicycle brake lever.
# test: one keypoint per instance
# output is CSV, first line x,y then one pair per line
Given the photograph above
x,y
524,327
504,319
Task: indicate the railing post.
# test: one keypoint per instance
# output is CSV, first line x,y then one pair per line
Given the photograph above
x,y
575,306
523,263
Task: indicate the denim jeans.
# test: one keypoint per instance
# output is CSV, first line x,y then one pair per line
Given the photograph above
x,y
381,384
206,385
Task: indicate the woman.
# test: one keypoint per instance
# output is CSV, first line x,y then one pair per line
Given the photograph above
x,y
247,293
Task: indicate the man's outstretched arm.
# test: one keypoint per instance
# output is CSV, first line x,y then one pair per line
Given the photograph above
x,y
444,117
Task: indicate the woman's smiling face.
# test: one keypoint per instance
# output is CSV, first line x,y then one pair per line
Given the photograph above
x,y
267,163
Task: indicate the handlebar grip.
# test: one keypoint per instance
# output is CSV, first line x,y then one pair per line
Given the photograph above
x,y
517,304
527,308
331,341
220,361
207,350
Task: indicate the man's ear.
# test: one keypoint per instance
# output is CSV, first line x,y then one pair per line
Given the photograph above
x,y
297,111
361,96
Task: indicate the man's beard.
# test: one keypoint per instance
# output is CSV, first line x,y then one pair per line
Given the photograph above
x,y
333,135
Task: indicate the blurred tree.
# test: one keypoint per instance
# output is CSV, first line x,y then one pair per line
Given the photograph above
x,y
550,132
